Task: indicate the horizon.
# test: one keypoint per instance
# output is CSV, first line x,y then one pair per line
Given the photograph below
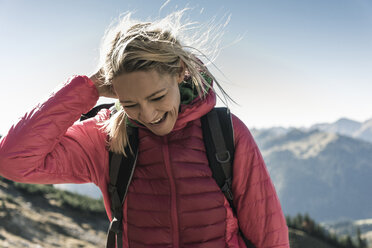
x,y
287,63
290,127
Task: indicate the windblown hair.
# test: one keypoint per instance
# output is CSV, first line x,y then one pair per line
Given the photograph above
x,y
143,46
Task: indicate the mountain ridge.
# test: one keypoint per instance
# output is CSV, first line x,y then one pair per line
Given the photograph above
x,y
314,171
343,126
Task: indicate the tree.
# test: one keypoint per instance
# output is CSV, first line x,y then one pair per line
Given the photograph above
x,y
308,224
360,242
347,242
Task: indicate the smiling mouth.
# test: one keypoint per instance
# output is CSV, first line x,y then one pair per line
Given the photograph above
x,y
160,120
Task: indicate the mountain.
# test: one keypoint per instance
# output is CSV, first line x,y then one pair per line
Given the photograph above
x,y
324,174
347,127
365,131
343,126
41,216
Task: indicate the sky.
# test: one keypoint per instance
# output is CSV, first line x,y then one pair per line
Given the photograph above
x,y
286,62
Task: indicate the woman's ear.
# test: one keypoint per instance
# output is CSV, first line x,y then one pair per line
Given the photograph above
x,y
181,73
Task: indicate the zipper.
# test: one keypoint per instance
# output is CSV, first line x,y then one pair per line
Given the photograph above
x,y
175,233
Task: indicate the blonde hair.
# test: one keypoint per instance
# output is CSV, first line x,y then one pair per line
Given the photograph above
x,y
142,46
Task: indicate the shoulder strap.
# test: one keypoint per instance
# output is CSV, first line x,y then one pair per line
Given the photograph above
x,y
220,147
121,167
218,135
94,111
121,172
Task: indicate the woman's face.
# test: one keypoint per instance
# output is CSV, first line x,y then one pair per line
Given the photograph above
x,y
150,98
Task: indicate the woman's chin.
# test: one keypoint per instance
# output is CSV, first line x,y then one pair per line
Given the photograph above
x,y
163,128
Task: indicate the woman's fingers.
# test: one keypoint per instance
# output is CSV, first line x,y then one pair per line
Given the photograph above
x,y
103,89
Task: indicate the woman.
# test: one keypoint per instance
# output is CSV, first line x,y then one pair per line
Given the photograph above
x,y
163,89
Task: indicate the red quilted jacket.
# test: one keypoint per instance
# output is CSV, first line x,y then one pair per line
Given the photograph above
x,y
173,201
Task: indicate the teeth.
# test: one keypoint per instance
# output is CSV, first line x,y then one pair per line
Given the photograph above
x,y
154,122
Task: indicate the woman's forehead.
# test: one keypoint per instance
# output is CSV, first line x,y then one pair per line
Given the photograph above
x,y
141,84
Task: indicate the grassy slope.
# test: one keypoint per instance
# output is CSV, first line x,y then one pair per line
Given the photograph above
x,y
299,239
29,220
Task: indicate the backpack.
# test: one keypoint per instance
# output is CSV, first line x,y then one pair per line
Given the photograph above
x,y
220,153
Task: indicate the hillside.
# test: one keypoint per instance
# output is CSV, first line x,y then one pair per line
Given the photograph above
x,y
350,227
324,174
300,239
33,220
30,217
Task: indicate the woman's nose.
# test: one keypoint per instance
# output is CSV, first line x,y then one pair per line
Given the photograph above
x,y
147,114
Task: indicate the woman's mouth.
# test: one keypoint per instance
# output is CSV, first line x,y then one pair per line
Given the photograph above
x,y
160,120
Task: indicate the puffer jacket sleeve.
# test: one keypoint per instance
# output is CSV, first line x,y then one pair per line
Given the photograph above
x,y
258,208
46,147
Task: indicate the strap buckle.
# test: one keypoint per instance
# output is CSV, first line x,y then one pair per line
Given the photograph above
x,y
223,157
112,188
115,226
226,189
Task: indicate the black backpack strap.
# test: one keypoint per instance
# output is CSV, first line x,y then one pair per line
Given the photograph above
x,y
94,111
218,135
220,147
121,172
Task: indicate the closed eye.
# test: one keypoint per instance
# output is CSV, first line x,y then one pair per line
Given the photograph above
x,y
130,106
153,99
157,98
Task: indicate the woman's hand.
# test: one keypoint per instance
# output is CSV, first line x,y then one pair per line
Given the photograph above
x,y
103,90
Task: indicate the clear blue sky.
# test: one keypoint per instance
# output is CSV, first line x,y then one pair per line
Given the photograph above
x,y
298,63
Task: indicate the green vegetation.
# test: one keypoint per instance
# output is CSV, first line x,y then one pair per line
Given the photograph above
x,y
62,197
309,226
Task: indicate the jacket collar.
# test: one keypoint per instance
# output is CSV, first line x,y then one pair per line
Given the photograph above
x,y
196,109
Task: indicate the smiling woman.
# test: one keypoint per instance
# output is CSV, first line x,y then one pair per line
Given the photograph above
x,y
163,90
150,98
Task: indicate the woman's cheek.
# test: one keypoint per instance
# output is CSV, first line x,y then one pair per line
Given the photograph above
x,y
130,114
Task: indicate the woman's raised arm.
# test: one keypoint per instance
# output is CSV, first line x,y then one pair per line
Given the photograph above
x,y
45,146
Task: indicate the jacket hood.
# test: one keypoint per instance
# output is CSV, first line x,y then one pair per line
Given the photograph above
x,y
193,106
